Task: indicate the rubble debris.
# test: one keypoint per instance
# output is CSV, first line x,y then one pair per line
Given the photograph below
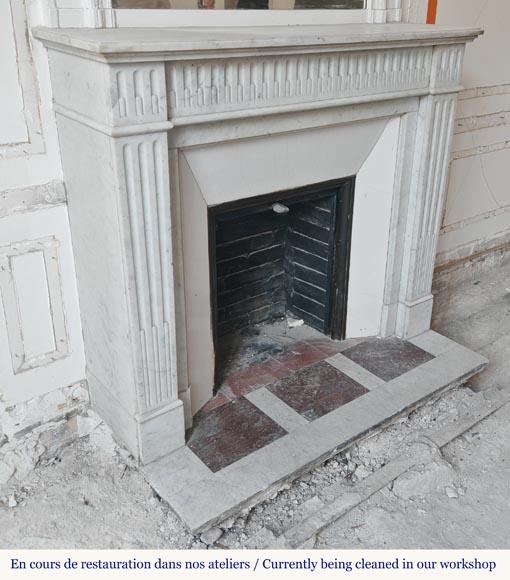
x,y
211,536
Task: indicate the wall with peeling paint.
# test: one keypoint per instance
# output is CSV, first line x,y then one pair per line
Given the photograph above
x,y
42,364
477,212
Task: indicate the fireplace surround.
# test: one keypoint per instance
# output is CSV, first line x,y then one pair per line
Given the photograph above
x,y
160,126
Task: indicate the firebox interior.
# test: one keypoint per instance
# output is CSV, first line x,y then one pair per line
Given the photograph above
x,y
278,255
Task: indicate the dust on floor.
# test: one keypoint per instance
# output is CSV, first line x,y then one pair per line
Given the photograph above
x,y
458,499
92,495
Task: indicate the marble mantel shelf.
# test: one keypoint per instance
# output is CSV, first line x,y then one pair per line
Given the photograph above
x,y
120,43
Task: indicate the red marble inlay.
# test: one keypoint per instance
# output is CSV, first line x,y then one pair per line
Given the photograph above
x,y
252,377
387,358
230,432
317,390
327,346
216,401
234,387
299,355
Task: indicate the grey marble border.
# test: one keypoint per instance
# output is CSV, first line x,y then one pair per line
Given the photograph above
x,y
355,371
276,409
206,498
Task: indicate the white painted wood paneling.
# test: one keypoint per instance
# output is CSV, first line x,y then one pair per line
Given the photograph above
x,y
12,120
30,157
41,346
31,284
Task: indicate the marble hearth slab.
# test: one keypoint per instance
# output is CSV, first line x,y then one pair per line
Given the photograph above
x,y
203,498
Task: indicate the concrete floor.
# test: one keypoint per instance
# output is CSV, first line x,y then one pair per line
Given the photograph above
x,y
477,315
470,509
92,496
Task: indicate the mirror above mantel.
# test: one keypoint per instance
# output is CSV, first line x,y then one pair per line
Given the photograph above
x,y
179,13
240,4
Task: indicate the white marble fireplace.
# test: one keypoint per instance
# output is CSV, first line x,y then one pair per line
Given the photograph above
x,y
158,125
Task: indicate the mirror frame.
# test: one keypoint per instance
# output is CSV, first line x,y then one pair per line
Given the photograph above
x,y
100,14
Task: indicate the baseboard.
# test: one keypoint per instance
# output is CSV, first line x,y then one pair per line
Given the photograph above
x,y
461,270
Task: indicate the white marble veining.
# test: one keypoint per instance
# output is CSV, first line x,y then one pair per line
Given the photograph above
x,y
300,98
184,42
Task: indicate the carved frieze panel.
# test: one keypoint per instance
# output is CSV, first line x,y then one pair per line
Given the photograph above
x,y
138,93
447,66
199,87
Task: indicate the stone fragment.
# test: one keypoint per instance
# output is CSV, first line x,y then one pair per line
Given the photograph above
x,y
80,394
432,474
6,472
12,501
308,544
363,472
197,546
228,523
261,540
451,492
87,422
311,506
211,536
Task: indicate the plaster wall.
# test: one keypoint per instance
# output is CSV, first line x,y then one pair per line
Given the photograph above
x,y
477,212
41,347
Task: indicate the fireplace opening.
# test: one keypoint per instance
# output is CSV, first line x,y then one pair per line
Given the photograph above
x,y
279,261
